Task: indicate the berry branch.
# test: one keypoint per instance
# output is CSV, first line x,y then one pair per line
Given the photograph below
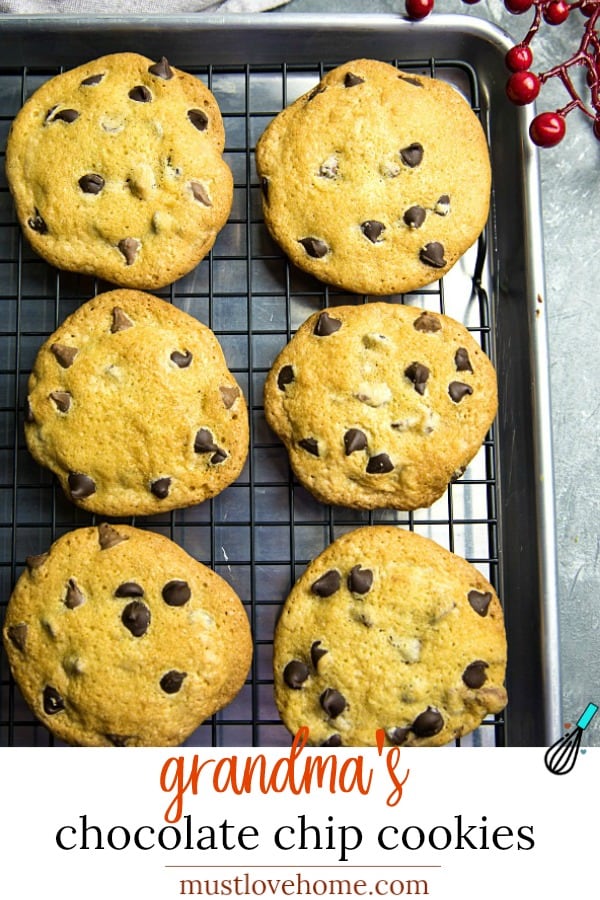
x,y
523,86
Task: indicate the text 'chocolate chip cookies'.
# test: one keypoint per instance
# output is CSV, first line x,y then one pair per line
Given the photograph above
x,y
387,630
117,637
380,404
375,181
116,171
131,404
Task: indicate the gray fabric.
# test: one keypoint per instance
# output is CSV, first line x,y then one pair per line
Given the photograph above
x,y
128,7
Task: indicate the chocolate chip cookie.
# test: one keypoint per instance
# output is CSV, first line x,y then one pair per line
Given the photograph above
x,y
131,404
375,181
380,405
116,170
117,637
387,630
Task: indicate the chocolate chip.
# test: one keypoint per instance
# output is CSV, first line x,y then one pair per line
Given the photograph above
x,y
354,440
29,416
317,653
427,322
129,247
480,601
74,596
311,445
109,537
63,115
91,183
410,79
129,589
136,618
18,635
62,399
462,361
91,80
315,247
229,395
372,230
442,207
398,736
120,320
428,723
160,488
204,441
218,456
327,584
418,374
171,682
53,702
414,216
319,89
81,486
379,464
412,155
37,561
161,69
334,741
198,118
200,193
458,390
182,360
264,186
176,593
326,325
360,581
475,675
351,80
36,223
140,94
285,377
332,702
432,254
64,355
295,674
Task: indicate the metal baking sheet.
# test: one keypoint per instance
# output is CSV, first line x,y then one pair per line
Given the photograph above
x,y
261,532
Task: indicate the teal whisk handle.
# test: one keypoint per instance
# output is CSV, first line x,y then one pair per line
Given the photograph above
x,y
587,715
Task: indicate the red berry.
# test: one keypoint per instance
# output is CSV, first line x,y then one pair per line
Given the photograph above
x,y
557,12
547,129
588,8
518,6
519,58
418,9
522,88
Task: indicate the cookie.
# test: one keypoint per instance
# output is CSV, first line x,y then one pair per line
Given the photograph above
x,y
116,170
117,637
380,405
131,404
376,181
387,630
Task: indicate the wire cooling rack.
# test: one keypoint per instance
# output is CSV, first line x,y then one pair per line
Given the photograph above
x,y
262,531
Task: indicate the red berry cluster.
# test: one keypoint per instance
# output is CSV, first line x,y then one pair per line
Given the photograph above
x,y
547,128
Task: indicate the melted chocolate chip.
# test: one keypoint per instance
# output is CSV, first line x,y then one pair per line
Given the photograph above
x,y
120,321
418,374
412,155
480,602
161,69
182,360
64,355
204,441
372,230
129,589
264,186
53,702
218,456
285,377
410,79
295,674
62,400
74,596
81,486
332,702
334,741
63,115
140,94
91,80
442,207
458,390
428,723
18,635
398,736
176,593
109,537
432,254
91,183
379,464
427,322
136,618
200,193
414,216
326,325
229,395
36,223
354,439
198,118
311,445
129,247
462,361
35,562
319,89
351,80
317,653
171,682
160,488
475,675
315,247
327,584
360,581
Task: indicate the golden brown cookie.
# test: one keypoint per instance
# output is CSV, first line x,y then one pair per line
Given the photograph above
x,y
380,405
117,637
116,170
132,406
375,181
387,630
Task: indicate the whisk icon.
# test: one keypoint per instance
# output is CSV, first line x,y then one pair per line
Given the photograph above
x,y
562,755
